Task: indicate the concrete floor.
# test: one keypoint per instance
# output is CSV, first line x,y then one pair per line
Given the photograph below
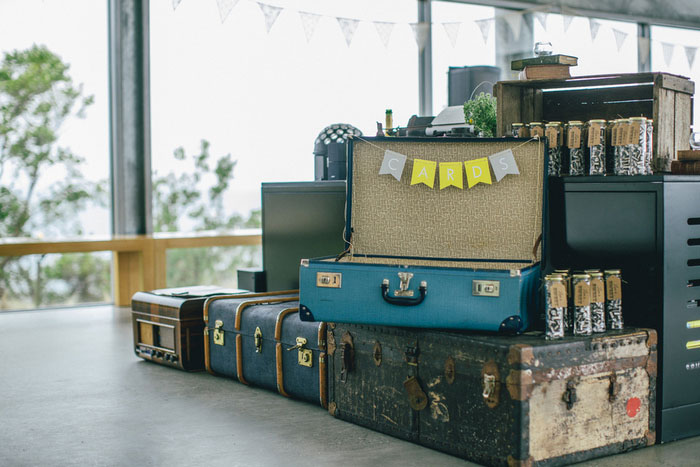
x,y
72,392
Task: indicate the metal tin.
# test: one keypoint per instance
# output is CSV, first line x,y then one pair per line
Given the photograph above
x,y
596,147
555,132
554,285
577,161
613,299
516,130
581,285
638,145
597,300
568,315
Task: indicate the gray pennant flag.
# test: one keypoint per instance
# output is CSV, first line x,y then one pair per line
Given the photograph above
x,y
503,163
393,164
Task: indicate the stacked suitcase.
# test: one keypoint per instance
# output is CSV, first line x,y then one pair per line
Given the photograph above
x,y
429,259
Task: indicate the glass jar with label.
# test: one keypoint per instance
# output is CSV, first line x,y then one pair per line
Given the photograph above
x,y
637,143
553,132
575,143
536,129
516,129
650,147
555,306
581,285
596,147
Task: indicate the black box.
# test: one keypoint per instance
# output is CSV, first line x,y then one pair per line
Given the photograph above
x,y
252,279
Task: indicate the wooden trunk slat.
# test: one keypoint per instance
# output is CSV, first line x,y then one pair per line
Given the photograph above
x,y
664,130
673,82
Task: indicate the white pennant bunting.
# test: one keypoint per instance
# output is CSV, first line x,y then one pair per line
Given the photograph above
x,y
668,52
452,31
541,17
225,7
643,49
421,32
176,3
515,22
309,22
690,55
348,26
384,31
485,27
620,37
271,13
566,22
594,27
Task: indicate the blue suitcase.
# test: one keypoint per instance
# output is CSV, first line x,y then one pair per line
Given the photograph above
x,y
259,340
435,258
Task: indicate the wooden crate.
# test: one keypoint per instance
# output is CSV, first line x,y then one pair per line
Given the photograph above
x,y
666,98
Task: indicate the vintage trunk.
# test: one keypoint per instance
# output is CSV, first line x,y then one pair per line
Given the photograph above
x,y
259,340
439,258
665,98
168,325
498,400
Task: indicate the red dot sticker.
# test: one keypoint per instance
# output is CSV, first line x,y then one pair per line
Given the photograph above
x,y
633,406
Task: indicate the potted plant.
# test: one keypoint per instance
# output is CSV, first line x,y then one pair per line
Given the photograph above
x,y
481,112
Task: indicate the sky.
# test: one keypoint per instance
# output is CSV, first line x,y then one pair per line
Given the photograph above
x,y
263,96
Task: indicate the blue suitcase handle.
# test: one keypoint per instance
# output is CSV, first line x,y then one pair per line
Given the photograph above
x,y
404,301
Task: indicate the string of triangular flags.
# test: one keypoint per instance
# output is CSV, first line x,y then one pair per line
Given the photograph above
x,y
514,20
451,173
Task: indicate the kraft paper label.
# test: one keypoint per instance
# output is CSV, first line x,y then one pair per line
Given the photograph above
x,y
613,135
582,294
597,291
574,138
536,131
552,136
613,287
557,295
594,135
625,134
523,132
633,137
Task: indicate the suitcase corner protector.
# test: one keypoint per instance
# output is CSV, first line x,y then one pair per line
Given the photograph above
x,y
305,314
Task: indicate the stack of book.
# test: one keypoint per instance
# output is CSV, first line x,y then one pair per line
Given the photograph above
x,y
545,67
688,163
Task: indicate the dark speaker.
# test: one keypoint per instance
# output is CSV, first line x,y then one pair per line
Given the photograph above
x,y
462,81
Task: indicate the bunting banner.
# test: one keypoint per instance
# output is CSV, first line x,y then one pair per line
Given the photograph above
x,y
176,3
393,164
485,28
225,7
503,163
690,55
620,37
309,21
541,18
668,52
566,22
423,172
348,26
384,31
451,175
452,31
478,171
271,13
594,27
421,32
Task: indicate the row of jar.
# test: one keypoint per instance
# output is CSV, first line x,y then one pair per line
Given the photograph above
x,y
582,303
597,147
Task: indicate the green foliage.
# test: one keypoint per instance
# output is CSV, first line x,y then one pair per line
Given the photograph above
x,y
481,112
37,96
194,201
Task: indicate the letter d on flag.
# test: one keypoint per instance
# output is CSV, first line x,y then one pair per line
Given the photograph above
x,y
478,171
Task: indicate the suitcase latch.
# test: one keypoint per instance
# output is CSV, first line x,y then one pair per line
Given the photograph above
x,y
305,356
405,280
486,288
258,340
331,280
218,332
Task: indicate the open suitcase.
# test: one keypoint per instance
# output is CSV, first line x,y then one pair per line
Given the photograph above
x,y
498,400
168,324
259,340
429,257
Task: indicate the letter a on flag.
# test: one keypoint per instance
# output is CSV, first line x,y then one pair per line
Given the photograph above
x,y
478,171
451,175
423,172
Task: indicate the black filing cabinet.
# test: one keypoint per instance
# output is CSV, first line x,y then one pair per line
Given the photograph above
x,y
648,226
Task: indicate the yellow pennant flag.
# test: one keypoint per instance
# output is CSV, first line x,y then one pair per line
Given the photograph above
x,y
423,172
451,175
478,171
